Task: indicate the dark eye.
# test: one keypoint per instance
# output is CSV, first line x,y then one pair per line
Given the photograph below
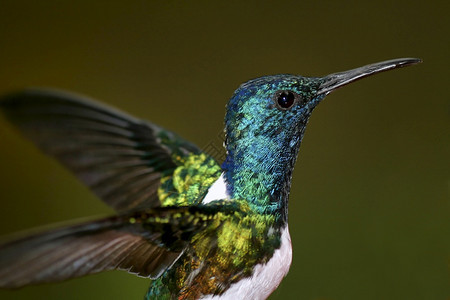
x,y
285,99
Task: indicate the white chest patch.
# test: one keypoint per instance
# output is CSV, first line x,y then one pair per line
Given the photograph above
x,y
217,191
265,278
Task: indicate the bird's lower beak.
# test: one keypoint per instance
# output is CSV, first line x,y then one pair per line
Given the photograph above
x,y
334,81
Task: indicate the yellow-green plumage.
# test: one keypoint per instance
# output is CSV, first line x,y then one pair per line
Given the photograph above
x,y
190,180
235,239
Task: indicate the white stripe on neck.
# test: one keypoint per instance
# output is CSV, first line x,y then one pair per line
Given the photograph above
x,y
217,191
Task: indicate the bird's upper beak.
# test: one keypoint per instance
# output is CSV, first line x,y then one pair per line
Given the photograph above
x,y
334,81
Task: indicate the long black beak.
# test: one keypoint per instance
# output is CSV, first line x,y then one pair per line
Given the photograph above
x,y
334,81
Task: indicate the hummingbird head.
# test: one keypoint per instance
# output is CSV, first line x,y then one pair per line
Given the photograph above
x,y
266,117
265,122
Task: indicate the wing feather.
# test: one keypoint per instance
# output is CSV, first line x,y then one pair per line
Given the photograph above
x,y
145,243
121,158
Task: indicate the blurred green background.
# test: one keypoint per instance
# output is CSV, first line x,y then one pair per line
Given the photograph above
x,y
369,207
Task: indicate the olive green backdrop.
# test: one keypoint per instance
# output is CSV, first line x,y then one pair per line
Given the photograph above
x,y
369,207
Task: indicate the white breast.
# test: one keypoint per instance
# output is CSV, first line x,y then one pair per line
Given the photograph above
x,y
265,278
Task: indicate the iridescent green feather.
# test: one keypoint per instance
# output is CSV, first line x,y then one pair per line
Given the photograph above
x,y
233,240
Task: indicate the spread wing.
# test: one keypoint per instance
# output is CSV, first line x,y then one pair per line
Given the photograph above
x,y
121,158
145,243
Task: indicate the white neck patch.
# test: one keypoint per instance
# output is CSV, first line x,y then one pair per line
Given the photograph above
x,y
217,191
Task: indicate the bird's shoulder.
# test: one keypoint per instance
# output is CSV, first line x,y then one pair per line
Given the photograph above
x,y
189,183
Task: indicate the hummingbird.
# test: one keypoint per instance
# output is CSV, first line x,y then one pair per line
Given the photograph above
x,y
198,228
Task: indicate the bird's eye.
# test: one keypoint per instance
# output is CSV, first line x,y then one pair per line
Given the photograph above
x,y
286,99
